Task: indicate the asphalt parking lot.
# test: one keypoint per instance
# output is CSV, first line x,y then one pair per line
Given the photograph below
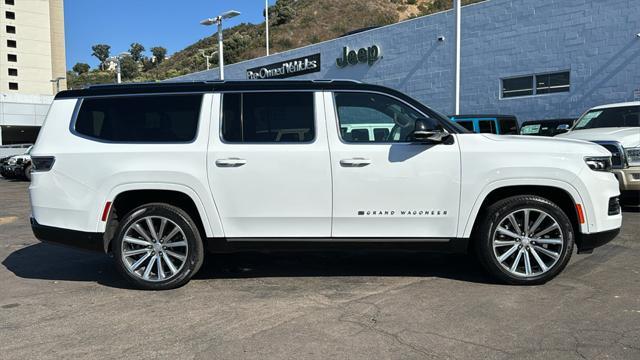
x,y
57,302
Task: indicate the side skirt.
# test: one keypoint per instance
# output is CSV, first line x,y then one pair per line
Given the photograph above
x,y
233,245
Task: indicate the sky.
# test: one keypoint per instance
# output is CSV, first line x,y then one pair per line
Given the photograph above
x,y
168,23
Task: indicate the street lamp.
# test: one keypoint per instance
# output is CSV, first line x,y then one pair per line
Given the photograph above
x,y
456,5
57,81
208,57
218,21
266,22
118,64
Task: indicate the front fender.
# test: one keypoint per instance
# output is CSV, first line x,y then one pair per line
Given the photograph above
x,y
465,227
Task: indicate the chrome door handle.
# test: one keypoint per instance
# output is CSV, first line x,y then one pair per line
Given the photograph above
x,y
355,162
231,162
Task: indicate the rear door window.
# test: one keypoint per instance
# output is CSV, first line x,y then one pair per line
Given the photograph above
x,y
487,126
508,126
140,119
268,117
466,124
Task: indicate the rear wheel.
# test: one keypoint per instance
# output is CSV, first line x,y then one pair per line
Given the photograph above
x,y
525,240
158,247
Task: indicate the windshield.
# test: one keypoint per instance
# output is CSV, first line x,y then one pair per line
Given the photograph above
x,y
626,116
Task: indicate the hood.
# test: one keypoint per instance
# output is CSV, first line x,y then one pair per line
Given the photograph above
x,y
628,136
543,144
14,159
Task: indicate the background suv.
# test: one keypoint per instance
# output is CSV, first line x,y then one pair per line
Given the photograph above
x,y
617,128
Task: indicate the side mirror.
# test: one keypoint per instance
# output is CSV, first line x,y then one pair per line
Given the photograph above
x,y
429,131
562,128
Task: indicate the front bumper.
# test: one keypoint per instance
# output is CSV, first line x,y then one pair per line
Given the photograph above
x,y
11,171
628,178
587,242
78,239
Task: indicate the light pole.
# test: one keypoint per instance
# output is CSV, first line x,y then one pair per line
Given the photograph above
x,y
218,21
208,57
57,81
118,66
266,22
456,5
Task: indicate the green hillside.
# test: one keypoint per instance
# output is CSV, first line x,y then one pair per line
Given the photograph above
x,y
293,23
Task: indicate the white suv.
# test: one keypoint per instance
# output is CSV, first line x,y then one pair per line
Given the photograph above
x,y
155,173
617,128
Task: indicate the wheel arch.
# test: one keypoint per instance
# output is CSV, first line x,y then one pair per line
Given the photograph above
x,y
125,198
564,195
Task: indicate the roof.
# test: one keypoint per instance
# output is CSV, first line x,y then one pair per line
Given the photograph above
x,y
478,116
545,121
207,86
631,103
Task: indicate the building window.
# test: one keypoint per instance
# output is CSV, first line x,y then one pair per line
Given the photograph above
x,y
12,57
520,86
12,44
11,29
13,72
9,2
537,84
10,15
13,86
552,83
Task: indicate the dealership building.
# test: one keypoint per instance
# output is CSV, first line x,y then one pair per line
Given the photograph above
x,y
32,66
543,59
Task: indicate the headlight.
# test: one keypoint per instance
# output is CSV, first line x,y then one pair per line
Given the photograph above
x,y
598,163
633,156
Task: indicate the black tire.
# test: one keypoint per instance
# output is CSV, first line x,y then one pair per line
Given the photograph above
x,y
496,213
194,255
27,172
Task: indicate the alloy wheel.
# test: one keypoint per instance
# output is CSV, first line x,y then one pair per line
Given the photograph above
x,y
528,242
154,248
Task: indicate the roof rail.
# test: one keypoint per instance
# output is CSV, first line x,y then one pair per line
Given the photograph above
x,y
337,80
146,83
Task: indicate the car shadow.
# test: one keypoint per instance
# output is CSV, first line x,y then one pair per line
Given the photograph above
x,y
57,263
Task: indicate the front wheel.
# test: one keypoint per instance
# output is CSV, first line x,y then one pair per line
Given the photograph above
x,y
27,172
158,247
525,240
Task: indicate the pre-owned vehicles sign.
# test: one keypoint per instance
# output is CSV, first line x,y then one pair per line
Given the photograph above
x,y
287,68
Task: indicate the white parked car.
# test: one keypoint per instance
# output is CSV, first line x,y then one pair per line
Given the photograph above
x,y
156,173
617,128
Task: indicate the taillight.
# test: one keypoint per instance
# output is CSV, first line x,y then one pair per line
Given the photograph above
x,y
42,163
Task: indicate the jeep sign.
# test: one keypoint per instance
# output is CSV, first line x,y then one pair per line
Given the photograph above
x,y
363,55
285,69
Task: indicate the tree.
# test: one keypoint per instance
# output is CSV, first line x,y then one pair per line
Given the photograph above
x,y
147,64
282,12
136,50
159,53
81,68
102,52
128,67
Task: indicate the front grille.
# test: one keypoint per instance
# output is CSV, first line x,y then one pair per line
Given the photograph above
x,y
614,206
617,153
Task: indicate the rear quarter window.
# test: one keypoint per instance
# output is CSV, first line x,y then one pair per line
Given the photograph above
x,y
140,119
